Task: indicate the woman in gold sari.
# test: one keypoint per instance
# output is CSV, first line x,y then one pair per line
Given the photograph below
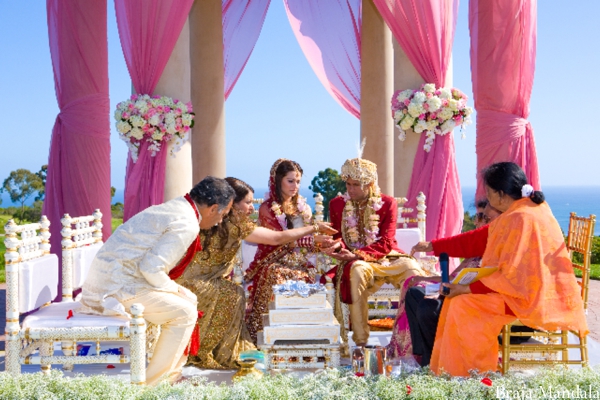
x,y
223,333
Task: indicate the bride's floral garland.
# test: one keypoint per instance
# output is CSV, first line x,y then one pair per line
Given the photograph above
x,y
302,207
370,222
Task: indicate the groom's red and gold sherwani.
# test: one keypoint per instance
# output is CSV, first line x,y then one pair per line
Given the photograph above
x,y
368,229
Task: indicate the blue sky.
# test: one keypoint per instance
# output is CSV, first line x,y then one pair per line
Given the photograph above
x,y
279,108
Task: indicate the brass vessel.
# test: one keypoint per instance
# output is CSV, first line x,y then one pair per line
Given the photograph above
x,y
247,369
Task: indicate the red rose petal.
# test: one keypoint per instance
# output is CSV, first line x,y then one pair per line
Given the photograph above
x,y
408,389
110,366
487,381
359,374
70,314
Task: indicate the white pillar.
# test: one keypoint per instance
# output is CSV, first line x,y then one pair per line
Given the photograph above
x,y
376,89
207,82
175,83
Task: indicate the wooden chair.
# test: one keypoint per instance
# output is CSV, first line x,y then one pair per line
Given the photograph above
x,y
29,251
545,347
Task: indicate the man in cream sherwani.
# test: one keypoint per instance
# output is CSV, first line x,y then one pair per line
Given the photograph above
x,y
133,267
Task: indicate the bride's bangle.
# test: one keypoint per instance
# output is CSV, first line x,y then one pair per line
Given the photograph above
x,y
316,228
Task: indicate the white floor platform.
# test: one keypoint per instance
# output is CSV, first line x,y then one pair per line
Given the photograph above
x,y
121,371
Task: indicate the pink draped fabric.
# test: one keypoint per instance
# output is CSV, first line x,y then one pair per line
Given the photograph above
x,y
503,48
329,34
242,23
148,30
78,179
425,31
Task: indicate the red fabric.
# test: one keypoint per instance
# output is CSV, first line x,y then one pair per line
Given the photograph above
x,y
78,179
425,31
466,245
148,30
191,251
194,345
503,50
479,288
388,216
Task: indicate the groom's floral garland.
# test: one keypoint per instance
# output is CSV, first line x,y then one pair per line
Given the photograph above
x,y
303,208
155,120
370,222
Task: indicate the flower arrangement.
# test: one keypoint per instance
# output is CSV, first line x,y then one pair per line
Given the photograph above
x,y
153,119
435,111
370,222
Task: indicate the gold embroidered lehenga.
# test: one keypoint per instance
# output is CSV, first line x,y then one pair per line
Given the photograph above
x,y
223,333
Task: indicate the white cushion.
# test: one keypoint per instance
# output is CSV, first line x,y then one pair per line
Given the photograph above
x,y
38,282
82,260
248,252
407,238
55,316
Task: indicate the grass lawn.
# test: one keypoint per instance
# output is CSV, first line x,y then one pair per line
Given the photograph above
x,y
115,223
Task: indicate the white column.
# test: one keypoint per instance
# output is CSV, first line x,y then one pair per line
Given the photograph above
x,y
376,123
207,81
175,83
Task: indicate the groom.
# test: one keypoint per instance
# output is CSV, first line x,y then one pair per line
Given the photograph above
x,y
366,243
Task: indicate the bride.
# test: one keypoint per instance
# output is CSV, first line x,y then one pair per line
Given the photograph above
x,y
283,209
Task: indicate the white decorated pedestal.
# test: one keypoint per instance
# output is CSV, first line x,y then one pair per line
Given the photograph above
x,y
300,332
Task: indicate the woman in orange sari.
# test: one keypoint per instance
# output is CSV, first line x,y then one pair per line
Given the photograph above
x,y
534,281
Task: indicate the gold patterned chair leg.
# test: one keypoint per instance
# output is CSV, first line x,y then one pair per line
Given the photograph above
x,y
584,350
564,337
505,348
46,350
69,349
137,346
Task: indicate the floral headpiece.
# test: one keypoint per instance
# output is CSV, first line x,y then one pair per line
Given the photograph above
x,y
362,170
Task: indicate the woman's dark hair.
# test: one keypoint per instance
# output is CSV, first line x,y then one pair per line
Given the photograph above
x,y
509,178
240,187
241,190
210,191
282,170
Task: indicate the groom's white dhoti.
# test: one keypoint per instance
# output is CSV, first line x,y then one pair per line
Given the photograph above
x,y
133,266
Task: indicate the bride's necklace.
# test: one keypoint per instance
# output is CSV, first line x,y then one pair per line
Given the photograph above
x,y
302,208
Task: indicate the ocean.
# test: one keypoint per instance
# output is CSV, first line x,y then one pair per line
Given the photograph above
x,y
584,200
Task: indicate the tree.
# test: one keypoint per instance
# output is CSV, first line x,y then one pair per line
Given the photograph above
x,y
42,173
113,190
329,183
20,185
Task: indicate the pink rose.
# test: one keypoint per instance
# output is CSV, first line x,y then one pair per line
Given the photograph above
x,y
422,116
406,102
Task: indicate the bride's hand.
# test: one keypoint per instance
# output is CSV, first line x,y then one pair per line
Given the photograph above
x,y
325,228
324,241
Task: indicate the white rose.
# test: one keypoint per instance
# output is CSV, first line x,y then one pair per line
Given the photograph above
x,y
419,98
447,126
154,120
142,106
123,127
186,119
429,88
118,115
422,124
407,122
445,94
136,121
403,95
468,111
434,104
415,109
431,125
170,118
171,129
445,114
453,104
137,133
157,135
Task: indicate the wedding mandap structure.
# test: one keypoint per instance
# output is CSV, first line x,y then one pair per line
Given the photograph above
x,y
361,50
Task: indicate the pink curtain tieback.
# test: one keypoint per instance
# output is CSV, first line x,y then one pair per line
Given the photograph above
x,y
500,127
82,116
